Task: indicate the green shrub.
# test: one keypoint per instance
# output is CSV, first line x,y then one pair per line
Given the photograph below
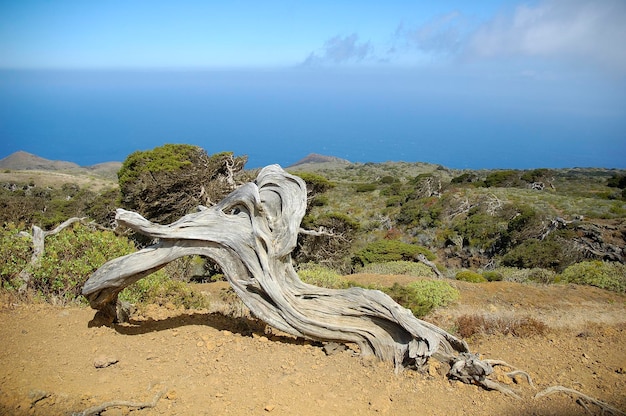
x,y
315,183
617,181
532,253
382,251
502,178
395,201
535,175
318,275
160,289
540,275
15,251
605,275
493,276
514,274
166,158
470,276
423,296
365,187
464,178
71,256
422,212
480,229
408,268
388,180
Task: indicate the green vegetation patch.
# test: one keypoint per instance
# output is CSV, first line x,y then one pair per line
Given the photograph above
x,y
382,251
422,296
15,251
470,276
318,275
69,258
167,158
160,289
408,268
602,274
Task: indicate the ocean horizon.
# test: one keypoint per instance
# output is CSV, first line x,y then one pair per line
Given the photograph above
x,y
280,116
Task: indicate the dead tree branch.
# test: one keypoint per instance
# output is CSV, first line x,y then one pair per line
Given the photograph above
x,y
422,258
582,398
96,410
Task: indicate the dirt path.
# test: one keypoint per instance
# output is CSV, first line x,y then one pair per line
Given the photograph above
x,y
208,364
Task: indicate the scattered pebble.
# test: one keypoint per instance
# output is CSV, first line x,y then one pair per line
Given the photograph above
x,y
103,361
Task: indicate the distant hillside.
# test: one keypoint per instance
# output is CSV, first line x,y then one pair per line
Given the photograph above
x,y
315,158
27,161
315,162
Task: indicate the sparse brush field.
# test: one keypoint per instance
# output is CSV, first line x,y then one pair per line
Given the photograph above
x,y
531,271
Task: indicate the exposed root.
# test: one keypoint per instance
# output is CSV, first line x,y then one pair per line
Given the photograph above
x,y
95,410
494,385
469,369
515,371
583,399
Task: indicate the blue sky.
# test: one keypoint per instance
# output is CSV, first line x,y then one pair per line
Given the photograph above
x,y
251,34
555,69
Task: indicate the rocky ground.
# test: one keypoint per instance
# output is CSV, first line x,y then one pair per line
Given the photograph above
x,y
52,362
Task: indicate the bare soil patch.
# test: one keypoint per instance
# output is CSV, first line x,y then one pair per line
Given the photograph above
x,y
52,362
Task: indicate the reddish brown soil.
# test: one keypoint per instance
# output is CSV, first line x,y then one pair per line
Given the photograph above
x,y
209,364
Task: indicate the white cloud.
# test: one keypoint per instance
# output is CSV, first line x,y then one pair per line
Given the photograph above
x,y
443,35
584,31
339,50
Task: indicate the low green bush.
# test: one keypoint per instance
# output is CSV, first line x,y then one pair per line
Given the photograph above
x,y
502,178
514,274
317,275
470,276
15,251
382,251
365,187
69,258
492,276
315,183
160,289
401,267
602,274
534,253
422,296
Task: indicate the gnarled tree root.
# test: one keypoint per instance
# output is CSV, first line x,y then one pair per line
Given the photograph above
x,y
583,399
95,410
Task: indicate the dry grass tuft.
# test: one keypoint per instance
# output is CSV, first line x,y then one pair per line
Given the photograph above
x,y
523,327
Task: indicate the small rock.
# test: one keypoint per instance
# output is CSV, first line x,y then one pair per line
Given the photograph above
x,y
331,348
37,395
269,407
103,361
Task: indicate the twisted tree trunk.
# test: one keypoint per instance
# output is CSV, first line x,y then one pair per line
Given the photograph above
x,y
251,234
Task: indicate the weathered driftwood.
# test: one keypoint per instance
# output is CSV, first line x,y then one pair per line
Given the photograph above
x,y
250,235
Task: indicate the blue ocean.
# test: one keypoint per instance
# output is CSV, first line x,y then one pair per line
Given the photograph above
x,y
280,116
